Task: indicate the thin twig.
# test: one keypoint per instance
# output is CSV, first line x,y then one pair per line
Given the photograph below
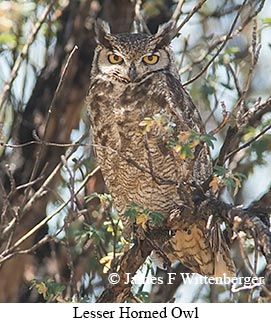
x,y
221,39
261,109
235,79
225,11
45,220
50,110
41,242
182,55
41,191
248,143
20,187
224,122
140,23
41,148
24,52
190,15
178,11
228,36
255,50
43,187
41,142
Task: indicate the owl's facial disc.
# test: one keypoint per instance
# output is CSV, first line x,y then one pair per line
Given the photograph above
x,y
132,58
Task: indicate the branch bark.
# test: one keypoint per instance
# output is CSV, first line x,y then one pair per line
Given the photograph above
x,y
236,219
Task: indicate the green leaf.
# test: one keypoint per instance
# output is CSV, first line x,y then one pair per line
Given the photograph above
x,y
186,152
240,175
144,296
132,211
229,182
156,218
207,89
8,39
232,50
267,21
208,138
48,288
220,170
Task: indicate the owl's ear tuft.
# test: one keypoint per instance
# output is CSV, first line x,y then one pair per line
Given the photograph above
x,y
165,34
103,33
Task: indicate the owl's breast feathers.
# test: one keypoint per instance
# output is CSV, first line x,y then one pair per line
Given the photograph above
x,y
138,121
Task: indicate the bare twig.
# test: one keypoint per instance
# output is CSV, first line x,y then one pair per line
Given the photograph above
x,y
11,179
261,109
20,187
24,53
43,187
140,23
255,50
41,191
178,11
50,110
251,269
190,15
235,79
37,245
41,142
247,144
225,121
220,48
16,244
225,11
182,55
242,117
222,39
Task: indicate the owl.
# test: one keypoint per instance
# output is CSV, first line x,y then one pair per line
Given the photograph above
x,y
146,133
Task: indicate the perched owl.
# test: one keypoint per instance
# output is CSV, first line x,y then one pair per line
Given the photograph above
x,y
146,133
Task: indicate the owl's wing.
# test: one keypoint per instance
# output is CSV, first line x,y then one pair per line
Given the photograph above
x,y
192,244
187,118
181,104
198,249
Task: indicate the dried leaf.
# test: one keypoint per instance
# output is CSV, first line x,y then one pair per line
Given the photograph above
x,y
42,289
142,220
106,261
183,137
214,184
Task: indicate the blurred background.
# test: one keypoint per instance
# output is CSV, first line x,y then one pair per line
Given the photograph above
x,y
58,230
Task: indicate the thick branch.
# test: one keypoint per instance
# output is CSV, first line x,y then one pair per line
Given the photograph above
x,y
129,263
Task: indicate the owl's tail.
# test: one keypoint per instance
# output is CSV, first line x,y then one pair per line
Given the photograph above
x,y
204,251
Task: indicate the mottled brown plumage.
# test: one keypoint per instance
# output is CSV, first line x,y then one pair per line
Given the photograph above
x,y
139,113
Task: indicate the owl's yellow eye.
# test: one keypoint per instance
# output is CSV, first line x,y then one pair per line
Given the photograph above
x,y
115,59
151,59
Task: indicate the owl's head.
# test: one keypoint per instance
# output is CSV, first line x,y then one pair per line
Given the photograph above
x,y
131,58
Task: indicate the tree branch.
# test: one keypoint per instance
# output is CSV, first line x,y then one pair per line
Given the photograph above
x,y
24,53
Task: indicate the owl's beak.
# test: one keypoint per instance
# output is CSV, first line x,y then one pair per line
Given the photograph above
x,y
132,72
